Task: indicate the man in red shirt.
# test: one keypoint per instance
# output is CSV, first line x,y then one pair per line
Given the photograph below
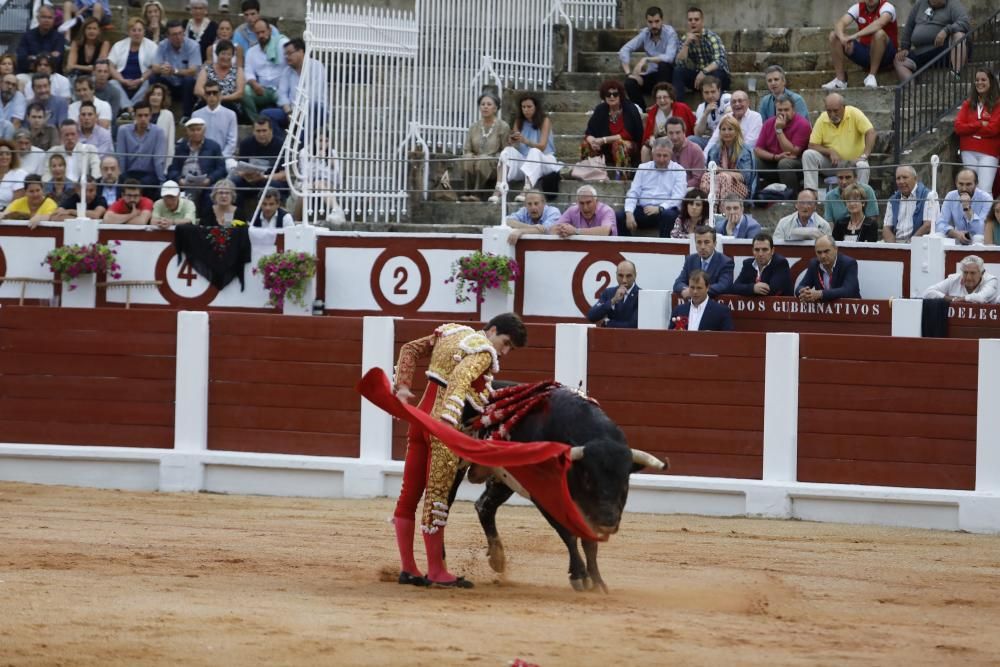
x,y
872,46
131,208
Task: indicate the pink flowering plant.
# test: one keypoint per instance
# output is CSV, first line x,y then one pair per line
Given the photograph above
x,y
68,262
285,275
474,274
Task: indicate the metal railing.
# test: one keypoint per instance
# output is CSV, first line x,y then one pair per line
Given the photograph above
x,y
934,91
15,17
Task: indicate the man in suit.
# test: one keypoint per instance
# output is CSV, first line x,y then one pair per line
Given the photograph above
x,y
196,177
618,307
718,267
830,275
701,313
764,274
735,222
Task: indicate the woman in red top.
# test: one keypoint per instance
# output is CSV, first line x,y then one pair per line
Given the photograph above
x,y
978,128
614,130
657,115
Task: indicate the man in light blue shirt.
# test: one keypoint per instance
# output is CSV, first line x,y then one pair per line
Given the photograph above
x,y
654,200
661,44
142,147
535,217
774,77
176,64
963,214
244,35
265,64
295,56
12,102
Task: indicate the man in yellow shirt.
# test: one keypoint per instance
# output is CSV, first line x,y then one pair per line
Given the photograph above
x,y
841,135
34,206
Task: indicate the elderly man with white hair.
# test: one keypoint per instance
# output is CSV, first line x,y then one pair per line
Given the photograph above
x,y
911,210
586,216
972,283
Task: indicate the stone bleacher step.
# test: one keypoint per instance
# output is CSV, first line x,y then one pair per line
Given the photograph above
x,y
797,80
779,40
739,61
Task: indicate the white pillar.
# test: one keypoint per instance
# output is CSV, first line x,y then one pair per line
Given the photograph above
x,y
496,302
781,407
84,294
571,355
988,418
926,263
377,351
182,469
654,309
907,316
301,238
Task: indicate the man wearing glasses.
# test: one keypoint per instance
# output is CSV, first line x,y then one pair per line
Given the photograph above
x,y
220,122
12,102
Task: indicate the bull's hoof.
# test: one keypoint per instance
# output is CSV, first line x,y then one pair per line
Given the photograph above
x,y
497,557
578,585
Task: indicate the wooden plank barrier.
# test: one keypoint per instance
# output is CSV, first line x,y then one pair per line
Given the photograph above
x,y
284,385
695,398
102,377
887,411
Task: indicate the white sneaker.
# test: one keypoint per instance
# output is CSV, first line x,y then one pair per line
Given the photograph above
x,y
519,198
870,81
834,84
66,26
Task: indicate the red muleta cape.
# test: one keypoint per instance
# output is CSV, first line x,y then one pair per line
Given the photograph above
x,y
540,467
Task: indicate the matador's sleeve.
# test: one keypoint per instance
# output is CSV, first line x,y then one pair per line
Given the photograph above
x,y
409,354
470,369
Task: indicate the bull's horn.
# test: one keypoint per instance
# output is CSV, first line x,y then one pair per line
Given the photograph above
x,y
576,453
646,459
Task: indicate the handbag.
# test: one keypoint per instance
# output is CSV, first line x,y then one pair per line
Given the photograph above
x,y
442,189
590,169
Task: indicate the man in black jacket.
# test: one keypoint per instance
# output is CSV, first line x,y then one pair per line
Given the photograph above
x,y
198,164
766,273
831,275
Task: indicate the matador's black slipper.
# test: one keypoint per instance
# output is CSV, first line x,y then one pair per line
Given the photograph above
x,y
461,582
407,578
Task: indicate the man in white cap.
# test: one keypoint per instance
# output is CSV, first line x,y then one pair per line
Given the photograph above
x,y
172,209
197,164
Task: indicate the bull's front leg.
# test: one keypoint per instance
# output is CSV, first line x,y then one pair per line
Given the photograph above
x,y
590,551
495,495
577,569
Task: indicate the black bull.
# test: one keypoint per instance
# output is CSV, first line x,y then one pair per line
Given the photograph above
x,y
598,478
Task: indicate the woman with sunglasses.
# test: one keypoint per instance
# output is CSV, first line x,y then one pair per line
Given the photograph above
x,y
614,130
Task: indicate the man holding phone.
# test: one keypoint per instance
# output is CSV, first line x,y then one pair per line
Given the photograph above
x,y
965,208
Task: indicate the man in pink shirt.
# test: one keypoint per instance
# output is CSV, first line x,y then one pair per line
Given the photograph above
x,y
684,152
586,216
782,140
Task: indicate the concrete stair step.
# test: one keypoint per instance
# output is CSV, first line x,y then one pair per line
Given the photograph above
x,y
768,39
739,61
796,80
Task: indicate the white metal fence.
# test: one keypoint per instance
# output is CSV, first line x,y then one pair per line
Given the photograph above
x,y
591,14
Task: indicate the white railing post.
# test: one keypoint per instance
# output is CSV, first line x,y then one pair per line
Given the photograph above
x,y
378,339
182,469
495,301
301,238
654,309
907,315
713,189
781,407
988,418
82,293
926,263
571,355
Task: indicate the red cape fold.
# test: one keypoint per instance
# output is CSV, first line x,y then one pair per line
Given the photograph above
x,y
540,467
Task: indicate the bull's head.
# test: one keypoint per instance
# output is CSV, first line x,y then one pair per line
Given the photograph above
x,y
599,478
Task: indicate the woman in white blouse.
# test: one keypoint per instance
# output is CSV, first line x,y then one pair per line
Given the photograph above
x,y
11,178
131,60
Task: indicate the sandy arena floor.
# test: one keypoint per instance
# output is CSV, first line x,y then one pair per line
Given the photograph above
x,y
113,578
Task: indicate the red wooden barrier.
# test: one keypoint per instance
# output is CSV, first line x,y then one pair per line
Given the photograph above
x,y
86,376
284,385
697,398
887,411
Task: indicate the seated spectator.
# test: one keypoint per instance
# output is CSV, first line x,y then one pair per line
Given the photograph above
x,y
774,76
12,103
978,128
872,45
750,121
84,87
685,152
737,173
265,62
782,140
132,60
227,75
655,196
701,54
154,18
933,27
34,206
830,275
221,124
587,216
258,155
718,267
992,226
295,56
483,143
76,12
766,273
665,108
834,209
614,130
693,214
805,224
841,134
734,221
31,157
11,177
963,214
224,33
714,106
109,187
972,283
132,208
54,181
857,226
161,116
199,27
95,206
535,217
700,313
910,212
87,48
271,215
58,84
78,157
8,65
172,209
176,65
42,40
321,172
532,150
110,91
56,108
618,306
197,164
660,43
42,134
223,204
6,129
141,148
245,36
